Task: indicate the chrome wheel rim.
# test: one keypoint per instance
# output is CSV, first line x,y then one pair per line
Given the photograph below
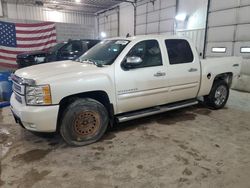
x,y
220,95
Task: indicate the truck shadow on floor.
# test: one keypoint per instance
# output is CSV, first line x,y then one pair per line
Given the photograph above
x,y
167,118
170,118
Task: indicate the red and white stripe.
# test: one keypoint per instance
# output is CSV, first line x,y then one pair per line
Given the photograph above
x,y
29,37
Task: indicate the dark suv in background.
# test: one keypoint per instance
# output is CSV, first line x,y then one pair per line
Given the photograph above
x,y
62,51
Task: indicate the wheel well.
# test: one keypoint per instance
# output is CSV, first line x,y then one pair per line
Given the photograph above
x,y
100,96
227,77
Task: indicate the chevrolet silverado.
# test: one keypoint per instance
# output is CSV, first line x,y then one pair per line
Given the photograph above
x,y
119,79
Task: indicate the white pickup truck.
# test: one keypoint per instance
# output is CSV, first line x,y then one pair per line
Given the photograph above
x,y
119,79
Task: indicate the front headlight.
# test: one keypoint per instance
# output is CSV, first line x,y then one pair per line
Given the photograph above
x,y
38,95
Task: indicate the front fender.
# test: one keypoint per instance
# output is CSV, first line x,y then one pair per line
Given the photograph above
x,y
77,85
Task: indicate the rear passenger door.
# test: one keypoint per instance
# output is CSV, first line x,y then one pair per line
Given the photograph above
x,y
183,72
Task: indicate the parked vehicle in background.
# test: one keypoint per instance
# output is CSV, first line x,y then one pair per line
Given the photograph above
x,y
62,51
119,79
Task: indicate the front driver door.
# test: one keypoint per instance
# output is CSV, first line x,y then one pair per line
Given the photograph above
x,y
144,85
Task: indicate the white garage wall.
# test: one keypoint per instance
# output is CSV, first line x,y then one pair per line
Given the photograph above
x,y
152,17
118,21
108,22
43,14
155,17
64,31
228,27
69,25
126,19
196,11
1,9
74,31
194,26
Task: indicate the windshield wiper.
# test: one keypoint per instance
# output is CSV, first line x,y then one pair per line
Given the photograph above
x,y
89,61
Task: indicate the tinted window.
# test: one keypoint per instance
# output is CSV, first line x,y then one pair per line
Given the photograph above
x,y
149,51
179,51
56,47
87,44
93,43
74,46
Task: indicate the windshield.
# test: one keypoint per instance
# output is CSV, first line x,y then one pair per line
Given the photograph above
x,y
56,47
105,52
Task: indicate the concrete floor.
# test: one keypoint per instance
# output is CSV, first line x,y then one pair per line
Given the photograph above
x,y
192,147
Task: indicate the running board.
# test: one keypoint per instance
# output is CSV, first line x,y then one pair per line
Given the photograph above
x,y
155,110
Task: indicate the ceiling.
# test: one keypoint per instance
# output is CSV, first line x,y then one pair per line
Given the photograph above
x,y
86,6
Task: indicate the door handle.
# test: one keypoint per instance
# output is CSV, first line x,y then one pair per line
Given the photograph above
x,y
158,74
192,70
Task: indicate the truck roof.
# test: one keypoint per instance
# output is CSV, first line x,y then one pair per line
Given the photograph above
x,y
140,37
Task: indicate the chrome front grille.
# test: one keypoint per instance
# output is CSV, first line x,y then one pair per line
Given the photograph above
x,y
18,88
19,98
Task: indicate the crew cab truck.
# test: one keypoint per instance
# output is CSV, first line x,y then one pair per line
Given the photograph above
x,y
119,79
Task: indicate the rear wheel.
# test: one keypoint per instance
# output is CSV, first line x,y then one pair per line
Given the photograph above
x,y
218,95
84,122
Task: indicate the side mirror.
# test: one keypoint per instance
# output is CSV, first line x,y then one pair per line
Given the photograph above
x,y
132,62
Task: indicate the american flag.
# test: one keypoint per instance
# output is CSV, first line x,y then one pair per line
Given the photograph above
x,y
17,38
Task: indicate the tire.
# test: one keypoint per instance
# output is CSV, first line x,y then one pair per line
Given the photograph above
x,y
218,95
84,122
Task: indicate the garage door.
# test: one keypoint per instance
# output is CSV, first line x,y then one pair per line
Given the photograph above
x,y
228,33
108,23
155,17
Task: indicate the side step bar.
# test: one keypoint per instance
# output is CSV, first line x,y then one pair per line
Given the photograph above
x,y
155,110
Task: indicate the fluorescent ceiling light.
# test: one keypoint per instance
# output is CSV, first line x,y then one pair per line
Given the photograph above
x,y
78,1
181,17
219,49
245,50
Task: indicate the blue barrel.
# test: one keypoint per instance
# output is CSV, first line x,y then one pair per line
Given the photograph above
x,y
5,86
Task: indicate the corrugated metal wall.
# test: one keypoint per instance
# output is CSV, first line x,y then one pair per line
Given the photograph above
x,y
228,32
1,8
43,14
69,25
155,17
108,22
126,19
152,17
228,26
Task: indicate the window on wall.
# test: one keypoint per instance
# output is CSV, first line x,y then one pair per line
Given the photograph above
x,y
245,50
149,51
219,50
179,51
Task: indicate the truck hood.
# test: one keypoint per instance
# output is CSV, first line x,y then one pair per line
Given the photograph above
x,y
56,70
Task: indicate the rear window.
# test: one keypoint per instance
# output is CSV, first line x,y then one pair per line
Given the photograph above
x,y
179,51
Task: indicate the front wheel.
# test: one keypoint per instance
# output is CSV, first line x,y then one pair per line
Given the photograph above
x,y
84,122
218,95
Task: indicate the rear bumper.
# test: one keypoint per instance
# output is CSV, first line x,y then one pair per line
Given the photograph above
x,y
35,118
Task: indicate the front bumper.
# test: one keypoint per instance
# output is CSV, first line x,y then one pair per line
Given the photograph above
x,y
35,118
